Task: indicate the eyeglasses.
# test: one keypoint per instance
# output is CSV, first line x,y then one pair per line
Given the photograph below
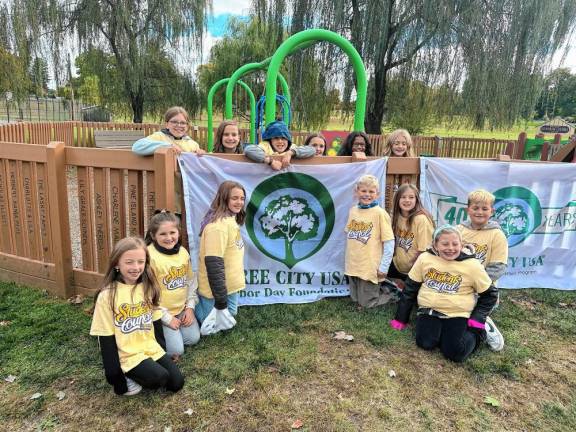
x,y
178,123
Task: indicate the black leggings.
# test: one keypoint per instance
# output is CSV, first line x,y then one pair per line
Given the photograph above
x,y
452,335
155,374
395,274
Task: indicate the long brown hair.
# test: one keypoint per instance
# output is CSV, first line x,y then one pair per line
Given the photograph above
x,y
417,210
218,145
112,276
173,112
317,135
219,207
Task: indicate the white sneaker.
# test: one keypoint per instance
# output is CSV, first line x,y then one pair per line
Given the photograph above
x,y
494,338
133,387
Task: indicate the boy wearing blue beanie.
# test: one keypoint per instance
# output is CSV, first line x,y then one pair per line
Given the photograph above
x,y
276,140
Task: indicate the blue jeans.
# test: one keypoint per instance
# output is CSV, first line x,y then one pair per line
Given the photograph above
x,y
205,305
176,339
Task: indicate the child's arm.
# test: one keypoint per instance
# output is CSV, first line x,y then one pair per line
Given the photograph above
x,y
111,361
387,254
486,301
217,280
407,301
302,152
159,334
255,153
495,270
191,301
147,146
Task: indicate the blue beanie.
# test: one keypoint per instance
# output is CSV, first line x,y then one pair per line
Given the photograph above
x,y
277,129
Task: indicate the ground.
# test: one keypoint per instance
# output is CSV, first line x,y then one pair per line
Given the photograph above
x,y
280,367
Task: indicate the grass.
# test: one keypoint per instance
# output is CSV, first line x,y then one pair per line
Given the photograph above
x,y
282,365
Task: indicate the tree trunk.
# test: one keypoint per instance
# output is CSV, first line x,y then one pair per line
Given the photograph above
x,y
375,111
137,104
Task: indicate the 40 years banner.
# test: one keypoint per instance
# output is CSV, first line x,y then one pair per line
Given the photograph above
x,y
294,231
535,206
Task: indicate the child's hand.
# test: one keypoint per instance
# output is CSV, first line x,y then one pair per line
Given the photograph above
x,y
276,165
286,158
200,152
174,324
381,275
176,149
188,317
397,325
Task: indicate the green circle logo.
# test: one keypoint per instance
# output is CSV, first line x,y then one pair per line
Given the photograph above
x,y
290,217
518,211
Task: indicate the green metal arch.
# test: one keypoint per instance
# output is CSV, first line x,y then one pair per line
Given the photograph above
x,y
216,86
306,38
243,70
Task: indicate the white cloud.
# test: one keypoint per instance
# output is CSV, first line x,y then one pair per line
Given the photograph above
x,y
236,7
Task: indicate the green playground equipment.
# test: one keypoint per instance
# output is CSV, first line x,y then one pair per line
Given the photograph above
x,y
211,93
303,40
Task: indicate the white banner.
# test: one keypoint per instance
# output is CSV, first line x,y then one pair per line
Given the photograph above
x,y
294,230
535,205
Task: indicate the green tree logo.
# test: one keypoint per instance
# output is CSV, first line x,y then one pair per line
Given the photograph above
x,y
291,219
518,211
292,207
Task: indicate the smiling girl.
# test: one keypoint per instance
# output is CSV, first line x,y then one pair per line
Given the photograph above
x,y
444,283
178,284
228,138
221,259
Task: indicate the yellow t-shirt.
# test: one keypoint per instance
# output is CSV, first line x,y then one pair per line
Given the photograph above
x,y
174,275
409,242
187,144
366,230
130,322
490,244
449,286
222,239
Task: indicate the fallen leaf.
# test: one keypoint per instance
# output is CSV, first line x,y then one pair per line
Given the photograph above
x,y
529,361
167,428
4,323
189,412
341,335
60,395
297,424
76,299
391,373
229,391
489,400
10,378
36,396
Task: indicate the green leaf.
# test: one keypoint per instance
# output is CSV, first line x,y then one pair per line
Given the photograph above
x,y
489,400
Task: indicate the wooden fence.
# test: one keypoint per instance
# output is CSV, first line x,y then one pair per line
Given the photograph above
x,y
81,134
62,208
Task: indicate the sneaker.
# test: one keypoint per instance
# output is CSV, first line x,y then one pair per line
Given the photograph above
x,y
494,338
133,387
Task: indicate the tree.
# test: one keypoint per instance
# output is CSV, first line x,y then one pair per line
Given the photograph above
x,y
493,49
133,32
291,219
558,97
13,78
39,77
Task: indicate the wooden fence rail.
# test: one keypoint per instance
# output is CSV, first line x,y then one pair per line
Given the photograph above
x,y
81,134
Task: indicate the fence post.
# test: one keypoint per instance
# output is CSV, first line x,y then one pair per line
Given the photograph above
x,y
509,149
521,145
58,212
164,169
545,149
437,145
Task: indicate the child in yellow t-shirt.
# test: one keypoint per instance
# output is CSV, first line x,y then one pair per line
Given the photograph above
x,y
178,284
412,226
221,259
128,327
485,234
444,283
369,246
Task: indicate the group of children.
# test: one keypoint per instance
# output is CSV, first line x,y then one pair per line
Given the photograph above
x,y
151,304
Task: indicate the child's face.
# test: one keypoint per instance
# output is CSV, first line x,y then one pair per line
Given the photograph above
x,y
131,265
167,235
236,200
177,125
230,138
407,202
279,144
366,194
399,146
479,213
319,144
358,145
448,246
